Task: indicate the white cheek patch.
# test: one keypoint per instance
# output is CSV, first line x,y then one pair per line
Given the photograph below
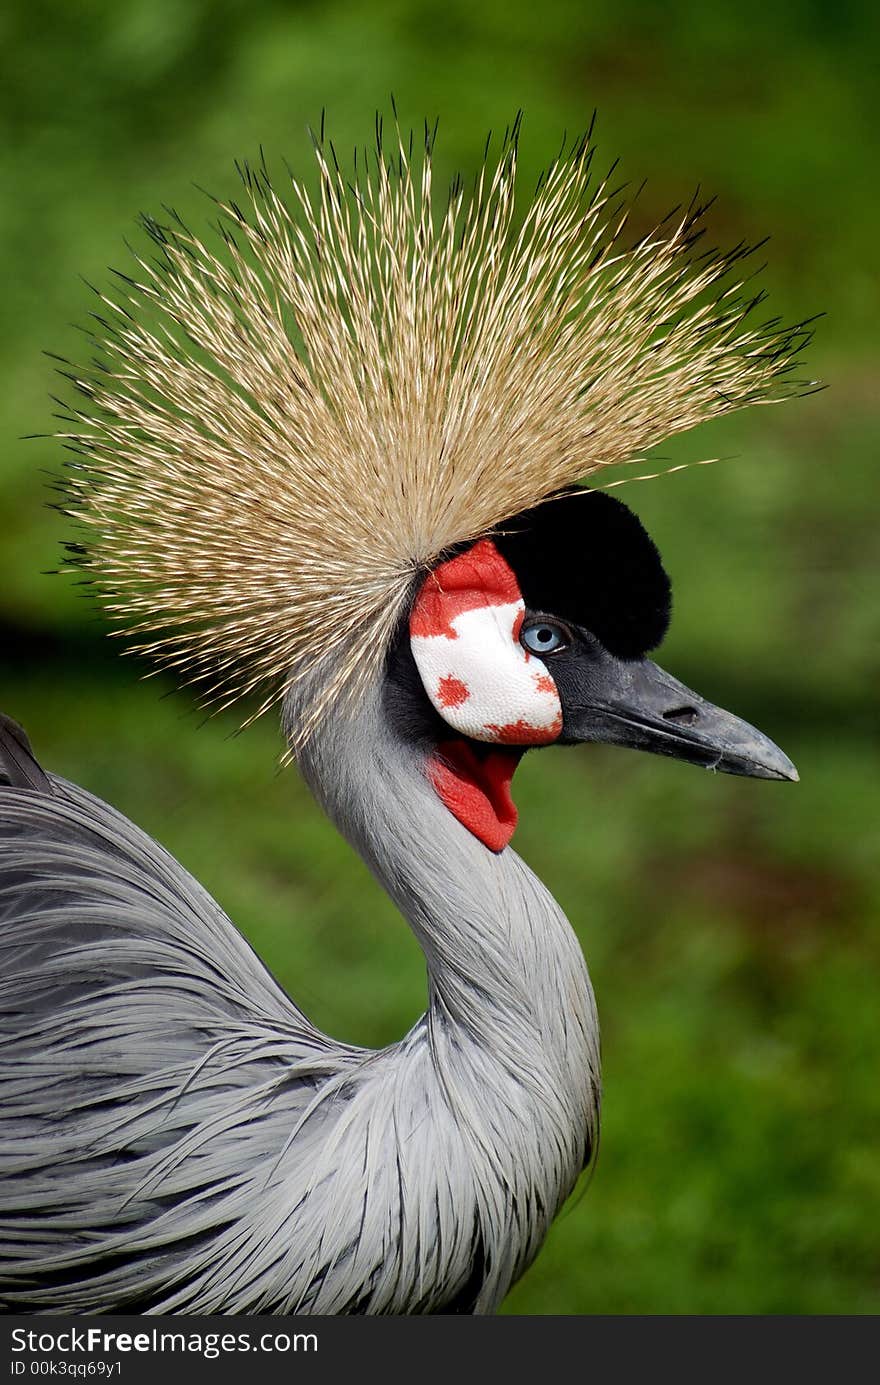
x,y
464,632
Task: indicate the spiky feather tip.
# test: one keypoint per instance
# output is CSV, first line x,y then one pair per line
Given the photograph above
x,y
282,430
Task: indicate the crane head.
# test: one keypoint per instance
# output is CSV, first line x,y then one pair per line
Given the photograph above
x,y
285,428
539,634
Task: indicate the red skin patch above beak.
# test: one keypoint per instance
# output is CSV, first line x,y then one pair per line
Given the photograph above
x,y
478,577
476,789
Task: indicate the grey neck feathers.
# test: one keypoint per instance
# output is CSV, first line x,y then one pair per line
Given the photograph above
x,y
510,1002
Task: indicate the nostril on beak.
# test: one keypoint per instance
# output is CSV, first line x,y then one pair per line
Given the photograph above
x,y
682,716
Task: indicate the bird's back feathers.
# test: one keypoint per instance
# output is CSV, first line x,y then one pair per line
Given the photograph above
x,y
18,765
136,1028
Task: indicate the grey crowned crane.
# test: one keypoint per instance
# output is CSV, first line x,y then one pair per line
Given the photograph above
x,y
335,464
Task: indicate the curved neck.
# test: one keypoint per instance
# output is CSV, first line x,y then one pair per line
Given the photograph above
x,y
505,970
503,1069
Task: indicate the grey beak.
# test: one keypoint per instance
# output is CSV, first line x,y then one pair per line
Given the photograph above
x,y
636,704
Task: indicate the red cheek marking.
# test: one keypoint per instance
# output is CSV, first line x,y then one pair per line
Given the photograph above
x,y
522,733
477,577
544,683
476,789
451,692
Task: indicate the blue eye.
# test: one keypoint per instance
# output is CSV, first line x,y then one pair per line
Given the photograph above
x,y
544,636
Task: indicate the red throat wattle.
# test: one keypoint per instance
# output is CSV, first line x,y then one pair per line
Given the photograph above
x,y
475,787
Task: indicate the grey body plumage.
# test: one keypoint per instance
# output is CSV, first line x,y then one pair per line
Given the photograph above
x,y
176,1135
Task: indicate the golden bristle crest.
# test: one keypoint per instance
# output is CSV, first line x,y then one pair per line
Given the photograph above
x,y
283,430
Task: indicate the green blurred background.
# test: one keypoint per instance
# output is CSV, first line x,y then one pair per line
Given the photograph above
x,y
730,925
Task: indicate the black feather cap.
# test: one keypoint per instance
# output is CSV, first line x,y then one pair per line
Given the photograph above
x,y
585,557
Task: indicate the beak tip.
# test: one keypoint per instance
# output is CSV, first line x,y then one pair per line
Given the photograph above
x,y
765,762
785,769
782,768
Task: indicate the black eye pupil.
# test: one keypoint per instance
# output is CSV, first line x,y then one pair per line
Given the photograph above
x,y
545,635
